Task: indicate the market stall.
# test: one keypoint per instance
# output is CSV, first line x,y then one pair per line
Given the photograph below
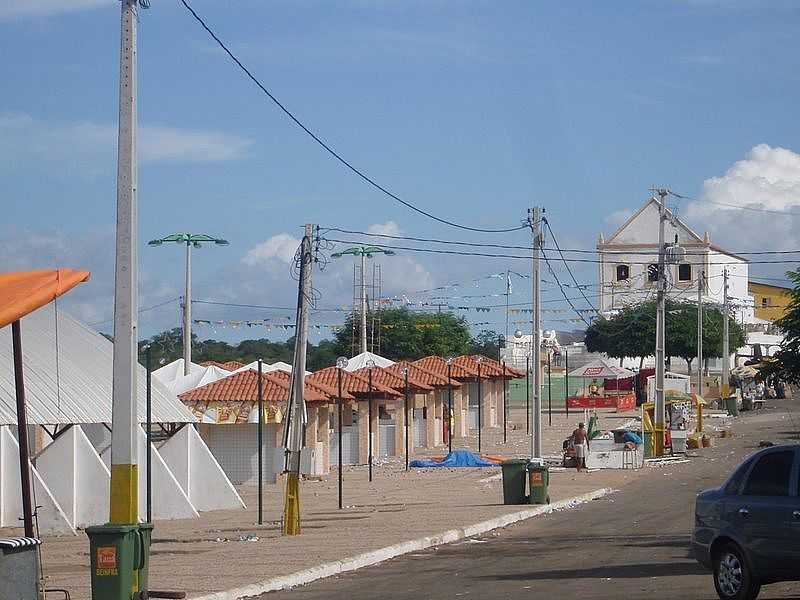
x,y
593,395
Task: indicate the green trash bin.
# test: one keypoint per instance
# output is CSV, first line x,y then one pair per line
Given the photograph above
x,y
731,406
145,538
747,403
514,480
115,554
539,483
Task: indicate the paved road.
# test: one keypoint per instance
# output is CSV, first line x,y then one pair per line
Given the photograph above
x,y
633,544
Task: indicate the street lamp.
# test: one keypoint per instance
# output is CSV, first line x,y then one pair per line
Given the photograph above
x,y
370,365
405,408
341,363
449,362
191,240
479,359
364,252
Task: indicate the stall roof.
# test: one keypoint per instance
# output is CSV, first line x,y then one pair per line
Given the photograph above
x,y
71,385
361,360
354,383
394,380
24,292
601,369
243,387
421,374
437,364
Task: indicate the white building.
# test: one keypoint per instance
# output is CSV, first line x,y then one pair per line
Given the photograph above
x,y
628,267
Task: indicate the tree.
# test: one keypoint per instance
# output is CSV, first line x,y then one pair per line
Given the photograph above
x,y
486,343
408,335
632,332
787,363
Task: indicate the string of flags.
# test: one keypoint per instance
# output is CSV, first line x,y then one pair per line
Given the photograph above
x,y
269,325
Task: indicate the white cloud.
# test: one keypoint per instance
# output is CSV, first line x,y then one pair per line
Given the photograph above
x,y
388,228
281,247
618,217
767,178
44,8
25,137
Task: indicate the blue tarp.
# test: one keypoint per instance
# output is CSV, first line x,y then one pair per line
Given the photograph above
x,y
457,458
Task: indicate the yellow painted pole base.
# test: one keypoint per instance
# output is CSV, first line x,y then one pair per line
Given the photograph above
x,y
291,505
124,494
658,441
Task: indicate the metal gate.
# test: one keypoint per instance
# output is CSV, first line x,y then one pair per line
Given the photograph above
x,y
349,446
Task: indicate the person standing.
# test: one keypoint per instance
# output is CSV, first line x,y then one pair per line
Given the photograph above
x,y
580,441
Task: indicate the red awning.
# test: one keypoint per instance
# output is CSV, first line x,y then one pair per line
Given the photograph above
x,y
23,292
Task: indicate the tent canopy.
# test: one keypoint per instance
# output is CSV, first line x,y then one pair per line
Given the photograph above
x,y
22,293
359,361
601,369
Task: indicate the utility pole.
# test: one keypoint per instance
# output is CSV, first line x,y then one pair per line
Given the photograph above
x,y
726,351
660,322
296,411
508,296
534,218
191,240
363,347
124,455
700,289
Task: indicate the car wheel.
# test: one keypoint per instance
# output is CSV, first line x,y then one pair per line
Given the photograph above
x,y
733,578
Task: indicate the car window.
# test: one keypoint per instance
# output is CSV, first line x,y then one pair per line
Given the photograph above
x,y
770,475
734,484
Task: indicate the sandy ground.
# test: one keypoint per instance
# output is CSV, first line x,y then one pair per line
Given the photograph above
x,y
227,549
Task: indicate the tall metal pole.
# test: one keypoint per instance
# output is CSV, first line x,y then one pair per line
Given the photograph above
x,y
22,430
536,432
341,417
566,381
726,351
296,411
660,416
149,432
480,407
260,387
700,317
187,311
505,405
449,410
369,424
405,408
527,394
363,304
124,456
508,296
549,392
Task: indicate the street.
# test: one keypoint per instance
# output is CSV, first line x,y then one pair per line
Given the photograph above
x,y
633,543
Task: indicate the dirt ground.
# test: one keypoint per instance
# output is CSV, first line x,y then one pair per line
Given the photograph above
x,y
227,549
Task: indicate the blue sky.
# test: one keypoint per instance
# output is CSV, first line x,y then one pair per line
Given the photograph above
x,y
472,110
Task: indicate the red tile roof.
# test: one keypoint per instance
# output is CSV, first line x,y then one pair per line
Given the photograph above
x,y
420,373
489,367
394,380
243,387
437,365
354,383
331,392
231,365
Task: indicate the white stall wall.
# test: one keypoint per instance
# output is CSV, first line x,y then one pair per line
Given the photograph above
x,y
236,449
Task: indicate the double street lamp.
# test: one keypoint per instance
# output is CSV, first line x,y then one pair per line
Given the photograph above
x,y
191,240
364,252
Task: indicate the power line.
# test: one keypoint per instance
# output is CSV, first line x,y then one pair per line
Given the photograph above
x,y
325,145
141,310
561,287
737,206
566,264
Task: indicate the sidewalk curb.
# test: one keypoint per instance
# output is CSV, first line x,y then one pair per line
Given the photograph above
x,y
377,556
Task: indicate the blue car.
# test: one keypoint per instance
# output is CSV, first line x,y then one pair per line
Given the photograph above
x,y
748,531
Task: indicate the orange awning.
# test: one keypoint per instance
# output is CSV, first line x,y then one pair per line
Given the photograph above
x,y
23,292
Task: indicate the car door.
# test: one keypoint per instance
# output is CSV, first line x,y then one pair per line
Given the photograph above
x,y
764,512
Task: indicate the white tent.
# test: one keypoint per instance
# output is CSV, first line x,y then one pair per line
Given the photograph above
x,y
77,477
267,368
195,379
50,517
198,472
171,371
360,361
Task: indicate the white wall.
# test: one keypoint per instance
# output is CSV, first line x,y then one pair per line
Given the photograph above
x,y
236,449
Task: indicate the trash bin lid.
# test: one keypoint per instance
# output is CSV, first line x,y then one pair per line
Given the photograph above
x,y
111,528
537,467
18,542
515,461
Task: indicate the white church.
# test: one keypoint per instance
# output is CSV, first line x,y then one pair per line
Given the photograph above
x,y
628,268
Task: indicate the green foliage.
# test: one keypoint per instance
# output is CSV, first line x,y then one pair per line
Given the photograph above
x,y
787,365
408,335
632,332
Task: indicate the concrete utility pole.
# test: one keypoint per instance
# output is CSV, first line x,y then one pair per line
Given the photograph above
x,y
726,351
196,240
124,455
660,323
296,411
700,289
536,431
